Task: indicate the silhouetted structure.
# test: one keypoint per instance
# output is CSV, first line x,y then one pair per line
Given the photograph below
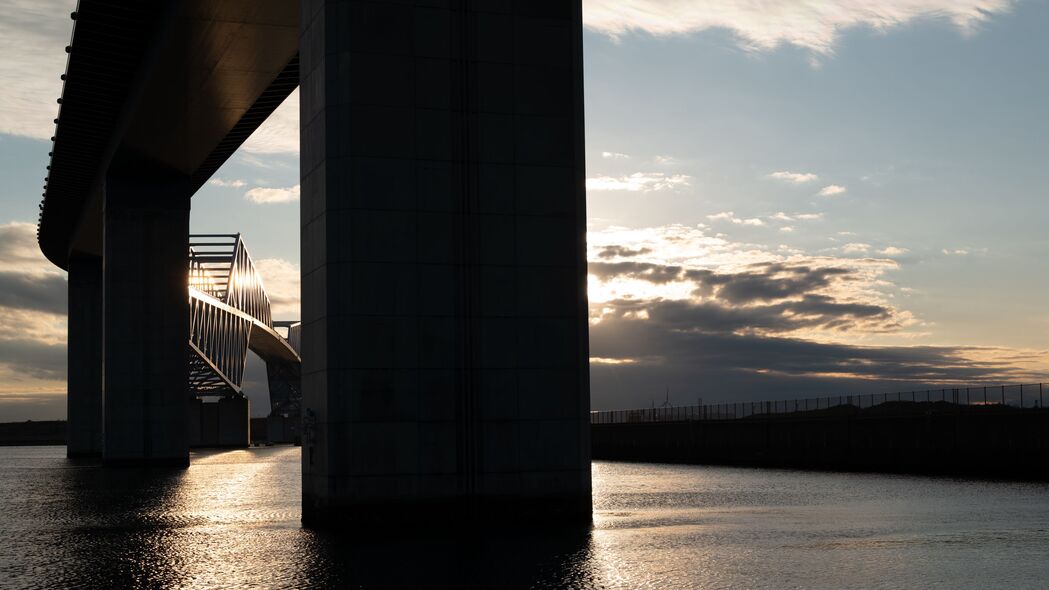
x,y
444,271
230,314
444,326
284,423
157,96
998,431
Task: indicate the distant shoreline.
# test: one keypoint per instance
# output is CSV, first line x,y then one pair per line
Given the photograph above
x,y
33,433
915,438
53,432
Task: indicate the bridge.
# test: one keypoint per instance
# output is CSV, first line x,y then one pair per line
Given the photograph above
x,y
156,96
229,315
443,215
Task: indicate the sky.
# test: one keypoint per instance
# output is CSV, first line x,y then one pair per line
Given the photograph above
x,y
786,198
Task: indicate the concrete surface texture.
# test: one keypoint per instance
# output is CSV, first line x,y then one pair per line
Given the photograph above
x,y
443,259
146,367
84,388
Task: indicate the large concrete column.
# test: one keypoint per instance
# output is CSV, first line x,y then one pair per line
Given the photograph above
x,y
443,262
146,240
194,427
234,422
84,383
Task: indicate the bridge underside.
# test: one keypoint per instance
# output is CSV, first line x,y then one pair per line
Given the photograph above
x,y
444,332
157,96
229,314
161,93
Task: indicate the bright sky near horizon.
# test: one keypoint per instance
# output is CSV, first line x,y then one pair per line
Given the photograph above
x,y
785,198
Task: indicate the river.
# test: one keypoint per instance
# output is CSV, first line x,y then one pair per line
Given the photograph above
x,y
232,520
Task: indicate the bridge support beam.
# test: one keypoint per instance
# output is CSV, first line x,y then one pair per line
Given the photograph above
x,y
443,220
146,238
84,385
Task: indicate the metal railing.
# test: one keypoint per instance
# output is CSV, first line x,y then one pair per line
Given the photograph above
x,y
220,266
1024,395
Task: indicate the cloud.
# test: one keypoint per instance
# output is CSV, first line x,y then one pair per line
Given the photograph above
x,y
638,182
759,282
764,26
614,156
278,134
269,161
597,360
237,183
614,251
786,317
26,360
33,291
706,358
33,35
731,217
787,229
955,252
33,404
767,282
281,279
781,216
705,316
32,295
19,249
755,221
645,271
685,264
894,251
32,325
855,248
832,190
262,195
795,177
33,313
28,281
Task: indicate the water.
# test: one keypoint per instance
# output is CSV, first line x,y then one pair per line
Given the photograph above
x,y
232,520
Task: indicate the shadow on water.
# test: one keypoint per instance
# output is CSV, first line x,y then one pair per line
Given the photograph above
x,y
466,558
118,527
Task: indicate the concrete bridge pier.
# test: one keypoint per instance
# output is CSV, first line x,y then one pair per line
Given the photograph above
x,y
84,397
146,236
225,423
443,221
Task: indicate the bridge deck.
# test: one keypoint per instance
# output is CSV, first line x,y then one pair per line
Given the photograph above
x,y
180,85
